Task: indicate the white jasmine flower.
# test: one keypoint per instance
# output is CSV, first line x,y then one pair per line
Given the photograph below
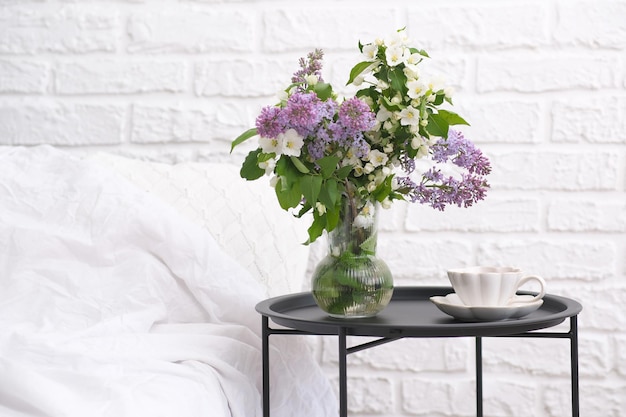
x,y
377,158
418,141
422,145
291,142
389,126
358,170
350,158
413,59
422,152
388,148
424,122
368,168
411,72
321,209
409,116
416,88
395,55
371,186
270,145
268,166
370,51
311,79
383,114
386,203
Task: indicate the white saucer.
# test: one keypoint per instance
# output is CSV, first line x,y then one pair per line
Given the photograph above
x,y
451,304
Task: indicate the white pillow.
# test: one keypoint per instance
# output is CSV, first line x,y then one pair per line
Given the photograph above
x,y
244,217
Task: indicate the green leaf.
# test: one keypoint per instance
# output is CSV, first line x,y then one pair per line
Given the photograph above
x,y
328,164
358,70
369,245
389,105
317,228
438,99
323,90
332,218
299,165
303,210
250,169
343,172
368,92
243,137
284,168
289,195
452,118
383,190
437,125
398,80
311,186
329,193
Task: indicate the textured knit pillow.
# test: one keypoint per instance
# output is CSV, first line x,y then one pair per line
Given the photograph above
x,y
243,217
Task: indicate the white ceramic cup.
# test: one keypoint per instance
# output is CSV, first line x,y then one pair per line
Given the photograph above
x,y
492,285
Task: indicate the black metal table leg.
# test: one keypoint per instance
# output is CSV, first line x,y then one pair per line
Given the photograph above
x,y
343,374
574,365
266,366
479,377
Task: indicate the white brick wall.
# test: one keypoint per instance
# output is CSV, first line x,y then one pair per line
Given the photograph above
x,y
542,82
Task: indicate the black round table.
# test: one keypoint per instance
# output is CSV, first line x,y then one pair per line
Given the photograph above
x,y
411,314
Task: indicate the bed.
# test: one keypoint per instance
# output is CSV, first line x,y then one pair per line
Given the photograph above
x,y
127,288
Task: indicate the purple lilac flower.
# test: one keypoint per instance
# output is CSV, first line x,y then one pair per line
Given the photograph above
x,y
271,122
303,112
406,183
317,145
310,66
327,109
360,145
355,116
433,175
407,164
462,153
464,193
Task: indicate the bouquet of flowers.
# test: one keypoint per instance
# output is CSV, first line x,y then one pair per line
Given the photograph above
x,y
321,150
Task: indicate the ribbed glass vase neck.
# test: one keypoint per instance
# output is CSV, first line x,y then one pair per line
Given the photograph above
x,y
357,231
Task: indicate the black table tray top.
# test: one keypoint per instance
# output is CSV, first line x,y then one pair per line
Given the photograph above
x,y
411,314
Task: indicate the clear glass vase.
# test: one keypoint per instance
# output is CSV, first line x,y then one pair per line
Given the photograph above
x,y
351,282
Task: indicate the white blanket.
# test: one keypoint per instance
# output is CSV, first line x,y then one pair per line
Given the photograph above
x,y
113,305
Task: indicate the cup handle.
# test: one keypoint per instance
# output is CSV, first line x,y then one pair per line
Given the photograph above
x,y
541,293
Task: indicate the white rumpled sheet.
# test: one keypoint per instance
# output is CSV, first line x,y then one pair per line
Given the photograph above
x,y
113,305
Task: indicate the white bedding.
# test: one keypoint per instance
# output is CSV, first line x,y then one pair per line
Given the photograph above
x,y
111,304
